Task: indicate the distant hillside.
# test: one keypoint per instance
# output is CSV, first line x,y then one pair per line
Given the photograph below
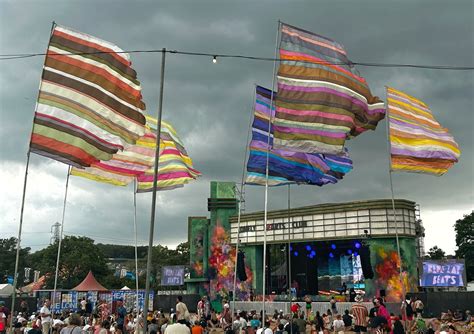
x,y
122,251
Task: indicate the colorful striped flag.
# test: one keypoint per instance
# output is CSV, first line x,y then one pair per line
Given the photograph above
x,y
125,165
90,102
175,168
418,142
322,101
286,167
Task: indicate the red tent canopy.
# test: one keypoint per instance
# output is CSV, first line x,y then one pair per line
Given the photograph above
x,y
90,284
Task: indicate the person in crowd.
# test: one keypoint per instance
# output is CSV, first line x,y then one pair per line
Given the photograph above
x,y
338,325
327,323
226,317
352,295
308,305
318,319
153,326
46,318
419,325
280,329
408,311
347,320
3,323
120,314
24,308
301,323
419,306
177,328
182,313
198,328
333,303
398,326
237,324
74,326
201,308
265,329
212,321
295,308
104,310
255,322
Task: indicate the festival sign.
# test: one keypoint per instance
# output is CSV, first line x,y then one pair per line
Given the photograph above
x,y
69,301
443,273
172,275
129,298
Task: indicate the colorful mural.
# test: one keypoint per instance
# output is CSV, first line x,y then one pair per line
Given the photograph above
x,y
385,260
222,264
198,246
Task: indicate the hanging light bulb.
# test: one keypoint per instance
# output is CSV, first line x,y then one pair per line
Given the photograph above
x,y
214,59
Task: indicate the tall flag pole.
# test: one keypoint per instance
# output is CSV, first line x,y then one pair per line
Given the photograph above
x,y
266,184
155,181
322,100
20,226
416,143
394,216
61,236
241,200
136,242
288,286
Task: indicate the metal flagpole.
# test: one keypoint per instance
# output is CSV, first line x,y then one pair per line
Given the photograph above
x,y
389,145
135,231
242,199
266,183
289,251
155,182
60,238
18,241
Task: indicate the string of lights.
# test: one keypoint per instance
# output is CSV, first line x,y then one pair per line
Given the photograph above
x,y
215,56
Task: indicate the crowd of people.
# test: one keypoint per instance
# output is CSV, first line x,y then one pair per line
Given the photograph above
x,y
300,320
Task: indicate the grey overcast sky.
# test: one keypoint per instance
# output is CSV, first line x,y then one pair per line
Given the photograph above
x,y
210,105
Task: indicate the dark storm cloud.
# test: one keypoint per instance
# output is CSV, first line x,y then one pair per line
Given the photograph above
x,y
210,104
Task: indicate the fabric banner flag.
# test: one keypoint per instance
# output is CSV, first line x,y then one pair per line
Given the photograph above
x,y
175,168
287,167
90,104
322,100
418,142
125,165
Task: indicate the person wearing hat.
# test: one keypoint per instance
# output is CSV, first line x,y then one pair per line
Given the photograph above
x,y
360,313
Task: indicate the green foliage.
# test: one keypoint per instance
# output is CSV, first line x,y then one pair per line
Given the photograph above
x,y
436,253
465,242
78,256
8,258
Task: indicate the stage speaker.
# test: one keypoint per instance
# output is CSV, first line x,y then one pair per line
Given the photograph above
x,y
365,262
241,274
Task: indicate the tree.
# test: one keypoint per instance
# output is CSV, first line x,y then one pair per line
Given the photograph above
x,y
78,256
436,253
8,258
465,242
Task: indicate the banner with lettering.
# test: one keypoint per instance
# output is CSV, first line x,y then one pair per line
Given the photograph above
x,y
443,273
172,275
